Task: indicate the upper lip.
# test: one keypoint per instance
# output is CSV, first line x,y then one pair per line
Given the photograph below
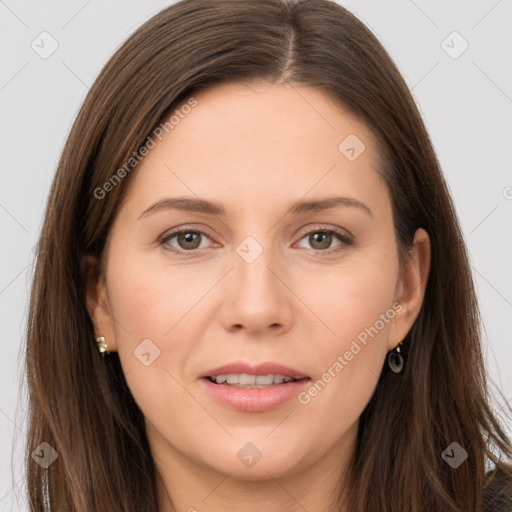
x,y
266,368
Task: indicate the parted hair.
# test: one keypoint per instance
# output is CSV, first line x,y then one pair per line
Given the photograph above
x,y
80,403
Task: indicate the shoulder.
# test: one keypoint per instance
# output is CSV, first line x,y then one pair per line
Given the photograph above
x,y
498,491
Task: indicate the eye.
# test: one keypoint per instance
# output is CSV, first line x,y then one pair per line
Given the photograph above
x,y
321,239
188,240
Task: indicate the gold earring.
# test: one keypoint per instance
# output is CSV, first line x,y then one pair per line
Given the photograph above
x,y
102,346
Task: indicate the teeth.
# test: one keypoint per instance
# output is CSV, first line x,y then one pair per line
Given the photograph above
x,y
261,380
244,380
232,379
250,381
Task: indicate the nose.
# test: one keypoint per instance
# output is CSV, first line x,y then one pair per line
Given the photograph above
x,y
257,298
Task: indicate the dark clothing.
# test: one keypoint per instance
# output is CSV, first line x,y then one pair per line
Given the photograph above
x,y
498,492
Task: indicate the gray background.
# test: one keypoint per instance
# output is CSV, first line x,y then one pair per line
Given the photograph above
x,y
466,103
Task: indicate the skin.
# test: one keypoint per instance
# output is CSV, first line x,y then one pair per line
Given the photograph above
x,y
255,149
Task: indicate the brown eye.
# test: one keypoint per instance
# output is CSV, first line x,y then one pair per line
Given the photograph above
x,y
320,240
187,240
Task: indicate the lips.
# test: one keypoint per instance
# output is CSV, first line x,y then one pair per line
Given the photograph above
x,y
266,368
287,384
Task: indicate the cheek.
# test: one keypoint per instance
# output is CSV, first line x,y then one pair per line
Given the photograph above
x,y
357,306
351,300
155,330
150,300
156,312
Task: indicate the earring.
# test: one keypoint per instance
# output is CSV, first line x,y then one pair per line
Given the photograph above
x,y
102,346
396,359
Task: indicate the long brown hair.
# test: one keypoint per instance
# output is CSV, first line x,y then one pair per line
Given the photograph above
x,y
80,403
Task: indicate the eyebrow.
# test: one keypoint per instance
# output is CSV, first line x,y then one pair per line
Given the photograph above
x,y
189,204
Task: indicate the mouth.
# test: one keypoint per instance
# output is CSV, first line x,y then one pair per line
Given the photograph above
x,y
248,381
253,388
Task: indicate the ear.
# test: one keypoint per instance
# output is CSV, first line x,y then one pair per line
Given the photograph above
x,y
411,288
97,302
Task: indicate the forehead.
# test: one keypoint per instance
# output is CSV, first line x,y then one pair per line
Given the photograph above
x,y
266,120
260,145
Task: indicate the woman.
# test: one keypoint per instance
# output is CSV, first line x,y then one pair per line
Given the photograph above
x,y
252,292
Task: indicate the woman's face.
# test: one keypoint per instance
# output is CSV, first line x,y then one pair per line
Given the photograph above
x,y
295,274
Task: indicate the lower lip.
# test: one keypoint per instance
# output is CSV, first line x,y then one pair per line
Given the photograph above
x,y
255,399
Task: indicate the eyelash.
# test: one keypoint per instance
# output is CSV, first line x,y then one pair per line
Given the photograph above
x,y
342,237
